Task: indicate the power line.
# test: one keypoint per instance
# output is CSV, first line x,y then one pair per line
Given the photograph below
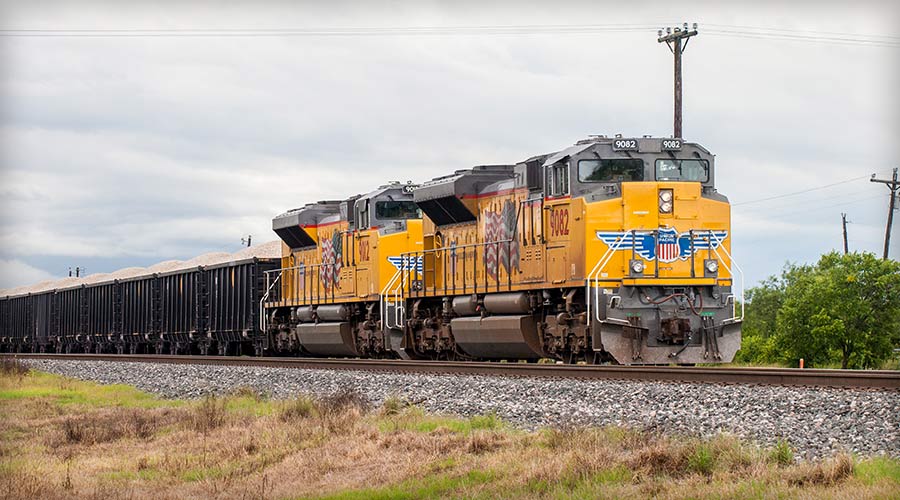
x,y
483,30
800,38
806,201
792,30
819,208
334,31
799,192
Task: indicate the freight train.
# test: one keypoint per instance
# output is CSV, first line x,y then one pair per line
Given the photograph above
x,y
611,250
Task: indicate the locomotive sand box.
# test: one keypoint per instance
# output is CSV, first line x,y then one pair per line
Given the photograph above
x,y
611,250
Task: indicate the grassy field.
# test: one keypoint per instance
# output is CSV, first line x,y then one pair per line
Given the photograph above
x,y
63,438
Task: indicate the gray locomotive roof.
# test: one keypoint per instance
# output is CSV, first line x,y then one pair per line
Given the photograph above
x,y
569,151
463,182
307,215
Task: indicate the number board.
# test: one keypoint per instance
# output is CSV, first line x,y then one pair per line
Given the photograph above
x,y
671,144
625,145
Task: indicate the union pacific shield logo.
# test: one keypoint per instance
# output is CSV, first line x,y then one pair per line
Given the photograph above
x,y
671,246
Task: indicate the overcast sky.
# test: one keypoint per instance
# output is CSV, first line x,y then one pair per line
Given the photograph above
x,y
128,150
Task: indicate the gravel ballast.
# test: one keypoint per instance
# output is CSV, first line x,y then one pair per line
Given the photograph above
x,y
815,421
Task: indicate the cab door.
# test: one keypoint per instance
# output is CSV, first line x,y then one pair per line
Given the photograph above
x,y
347,281
557,228
363,254
557,222
531,229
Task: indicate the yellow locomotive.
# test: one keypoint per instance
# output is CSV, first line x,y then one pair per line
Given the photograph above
x,y
614,249
338,258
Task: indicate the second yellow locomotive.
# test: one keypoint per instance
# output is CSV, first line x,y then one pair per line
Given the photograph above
x,y
614,249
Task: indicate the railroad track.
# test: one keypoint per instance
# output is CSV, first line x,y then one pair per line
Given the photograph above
x,y
861,379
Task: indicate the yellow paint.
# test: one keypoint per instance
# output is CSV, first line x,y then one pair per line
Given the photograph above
x,y
639,209
364,266
555,239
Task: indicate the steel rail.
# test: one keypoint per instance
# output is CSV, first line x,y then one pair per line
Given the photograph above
x,y
859,379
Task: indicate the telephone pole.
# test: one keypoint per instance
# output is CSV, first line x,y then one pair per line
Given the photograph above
x,y
673,39
844,223
893,185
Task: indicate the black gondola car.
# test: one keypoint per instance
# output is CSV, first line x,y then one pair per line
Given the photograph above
x,y
235,290
187,311
181,316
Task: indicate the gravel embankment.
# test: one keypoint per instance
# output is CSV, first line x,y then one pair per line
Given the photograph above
x,y
815,421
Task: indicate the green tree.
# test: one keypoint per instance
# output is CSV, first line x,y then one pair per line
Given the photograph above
x,y
761,314
845,308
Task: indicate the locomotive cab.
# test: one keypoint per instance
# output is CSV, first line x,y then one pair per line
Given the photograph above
x,y
612,249
388,208
657,246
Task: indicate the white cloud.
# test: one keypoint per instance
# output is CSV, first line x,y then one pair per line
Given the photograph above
x,y
159,147
15,273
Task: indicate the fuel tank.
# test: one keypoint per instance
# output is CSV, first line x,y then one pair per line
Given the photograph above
x,y
498,337
328,339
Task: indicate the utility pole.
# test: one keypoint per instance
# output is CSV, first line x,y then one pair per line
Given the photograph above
x,y
844,223
673,39
894,186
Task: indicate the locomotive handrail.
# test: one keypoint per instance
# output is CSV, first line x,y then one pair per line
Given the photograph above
x,y
731,272
311,271
262,301
385,293
414,257
601,264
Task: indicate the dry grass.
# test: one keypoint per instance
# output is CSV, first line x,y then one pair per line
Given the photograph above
x,y
68,439
111,425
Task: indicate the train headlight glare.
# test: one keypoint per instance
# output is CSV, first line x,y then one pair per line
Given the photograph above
x,y
712,266
665,195
637,267
665,207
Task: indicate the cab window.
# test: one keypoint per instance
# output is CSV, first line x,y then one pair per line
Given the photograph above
x,y
682,170
397,210
558,179
611,170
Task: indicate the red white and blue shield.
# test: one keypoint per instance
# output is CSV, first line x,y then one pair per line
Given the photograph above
x,y
667,245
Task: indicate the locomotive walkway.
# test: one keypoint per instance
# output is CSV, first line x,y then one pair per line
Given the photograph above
x,y
861,379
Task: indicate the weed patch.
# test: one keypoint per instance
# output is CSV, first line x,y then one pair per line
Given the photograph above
x,y
826,473
210,414
702,460
782,453
297,409
112,425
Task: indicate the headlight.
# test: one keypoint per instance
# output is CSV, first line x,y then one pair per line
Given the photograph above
x,y
712,266
637,266
666,198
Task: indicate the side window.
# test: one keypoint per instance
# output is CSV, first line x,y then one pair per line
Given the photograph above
x,y
558,179
362,211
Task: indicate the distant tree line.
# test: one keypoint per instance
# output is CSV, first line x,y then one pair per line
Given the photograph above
x,y
844,310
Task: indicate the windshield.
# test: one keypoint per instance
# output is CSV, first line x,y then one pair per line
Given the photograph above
x,y
611,170
682,170
397,210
